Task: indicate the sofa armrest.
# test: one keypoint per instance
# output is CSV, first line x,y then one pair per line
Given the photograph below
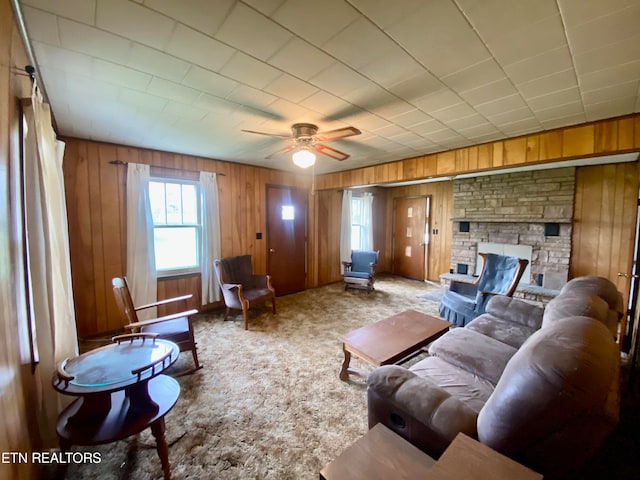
x,y
514,310
416,409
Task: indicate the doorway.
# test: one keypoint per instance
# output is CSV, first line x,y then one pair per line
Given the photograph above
x,y
411,237
287,238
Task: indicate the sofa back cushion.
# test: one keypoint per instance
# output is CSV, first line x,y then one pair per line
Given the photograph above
x,y
553,391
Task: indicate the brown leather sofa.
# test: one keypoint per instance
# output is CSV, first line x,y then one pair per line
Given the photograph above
x,y
538,385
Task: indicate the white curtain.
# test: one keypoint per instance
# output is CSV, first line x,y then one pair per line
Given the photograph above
x,y
367,214
54,336
345,229
141,261
210,236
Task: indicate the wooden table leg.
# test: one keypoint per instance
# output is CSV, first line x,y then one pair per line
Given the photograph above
x,y
158,428
344,371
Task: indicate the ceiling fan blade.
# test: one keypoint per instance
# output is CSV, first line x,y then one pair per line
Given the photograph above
x,y
267,134
336,134
330,152
280,152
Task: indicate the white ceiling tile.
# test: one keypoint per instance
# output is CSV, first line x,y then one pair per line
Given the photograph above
x,y
614,75
411,118
496,17
560,111
79,10
438,100
563,121
392,68
417,86
473,76
172,91
290,88
612,92
338,79
42,26
72,62
301,59
119,75
531,40
248,70
501,105
391,107
316,22
134,22
454,112
611,108
142,99
547,63
189,12
184,111
613,28
510,116
199,49
550,83
265,6
210,82
489,92
325,103
520,127
440,38
352,45
157,63
251,97
217,105
252,32
560,97
427,127
479,130
380,13
464,123
91,41
607,56
575,12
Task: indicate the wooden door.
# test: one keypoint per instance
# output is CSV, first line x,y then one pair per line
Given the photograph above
x,y
286,238
604,225
410,237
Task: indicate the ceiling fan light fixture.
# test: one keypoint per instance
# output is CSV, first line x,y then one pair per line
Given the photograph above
x,y
304,158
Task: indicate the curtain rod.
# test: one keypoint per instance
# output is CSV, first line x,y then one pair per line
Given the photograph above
x,y
120,162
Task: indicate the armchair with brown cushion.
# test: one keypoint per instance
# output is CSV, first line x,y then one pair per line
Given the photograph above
x,y
241,288
176,327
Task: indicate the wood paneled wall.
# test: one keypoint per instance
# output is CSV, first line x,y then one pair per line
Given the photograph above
x,y
604,137
96,203
17,384
441,194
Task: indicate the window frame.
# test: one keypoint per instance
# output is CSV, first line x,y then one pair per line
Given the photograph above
x,y
360,226
174,272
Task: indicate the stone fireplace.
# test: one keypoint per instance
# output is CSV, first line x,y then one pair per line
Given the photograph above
x,y
529,209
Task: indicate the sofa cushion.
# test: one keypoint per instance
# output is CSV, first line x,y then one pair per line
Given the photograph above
x,y
593,285
515,310
469,388
474,352
576,304
511,333
559,379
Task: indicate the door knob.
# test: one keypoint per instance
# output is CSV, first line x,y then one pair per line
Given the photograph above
x,y
628,275
272,250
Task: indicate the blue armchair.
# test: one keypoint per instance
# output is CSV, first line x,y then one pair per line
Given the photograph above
x,y
465,301
360,272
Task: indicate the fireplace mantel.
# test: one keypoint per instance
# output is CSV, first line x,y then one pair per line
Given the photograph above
x,y
512,220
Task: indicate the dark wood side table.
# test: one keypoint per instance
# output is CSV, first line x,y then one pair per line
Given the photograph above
x,y
379,455
392,340
121,391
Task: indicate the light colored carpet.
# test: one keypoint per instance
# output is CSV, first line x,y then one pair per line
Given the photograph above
x,y
268,403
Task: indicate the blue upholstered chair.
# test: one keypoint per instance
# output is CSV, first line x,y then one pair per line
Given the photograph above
x,y
465,301
360,272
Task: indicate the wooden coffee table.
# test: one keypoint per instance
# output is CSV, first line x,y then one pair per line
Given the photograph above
x,y
379,455
390,341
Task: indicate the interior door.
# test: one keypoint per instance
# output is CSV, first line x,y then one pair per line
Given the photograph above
x,y
411,237
286,238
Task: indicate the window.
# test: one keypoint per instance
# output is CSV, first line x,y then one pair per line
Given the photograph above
x,y
176,225
358,233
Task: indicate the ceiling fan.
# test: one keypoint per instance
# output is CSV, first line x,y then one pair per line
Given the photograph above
x,y
306,140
